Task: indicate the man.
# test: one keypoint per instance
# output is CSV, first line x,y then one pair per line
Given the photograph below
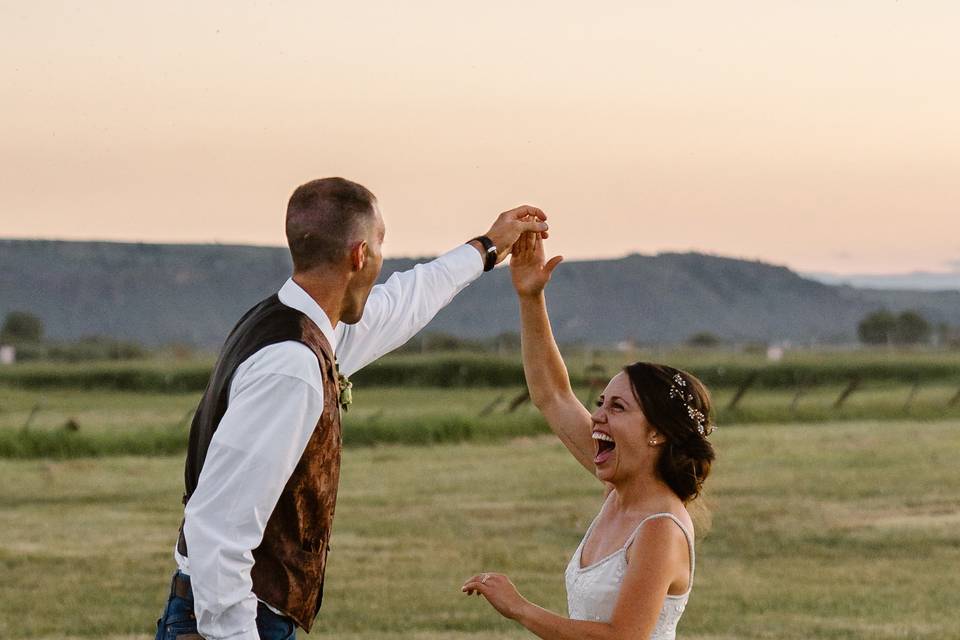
x,y
263,461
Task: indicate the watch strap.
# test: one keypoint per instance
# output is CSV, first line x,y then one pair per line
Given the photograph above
x,y
489,252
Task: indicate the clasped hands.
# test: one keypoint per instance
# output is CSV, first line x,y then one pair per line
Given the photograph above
x,y
520,233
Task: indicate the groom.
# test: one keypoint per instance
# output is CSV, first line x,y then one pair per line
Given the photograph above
x,y
263,462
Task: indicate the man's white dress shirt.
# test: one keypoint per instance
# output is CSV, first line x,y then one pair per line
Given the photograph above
x,y
275,402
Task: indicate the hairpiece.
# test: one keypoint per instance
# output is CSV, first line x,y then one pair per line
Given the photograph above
x,y
678,391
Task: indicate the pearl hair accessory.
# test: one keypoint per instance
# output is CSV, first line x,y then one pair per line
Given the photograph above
x,y
677,392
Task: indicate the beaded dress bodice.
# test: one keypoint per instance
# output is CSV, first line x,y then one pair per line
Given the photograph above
x,y
592,591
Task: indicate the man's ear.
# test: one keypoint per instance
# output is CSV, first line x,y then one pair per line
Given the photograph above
x,y
358,256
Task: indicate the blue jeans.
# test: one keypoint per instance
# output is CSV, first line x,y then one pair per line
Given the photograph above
x,y
179,622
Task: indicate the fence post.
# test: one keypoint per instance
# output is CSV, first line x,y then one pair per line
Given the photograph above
x,y
847,392
487,410
519,400
742,391
596,375
913,394
955,400
801,390
33,413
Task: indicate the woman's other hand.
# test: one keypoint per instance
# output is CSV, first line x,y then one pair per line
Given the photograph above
x,y
528,266
499,592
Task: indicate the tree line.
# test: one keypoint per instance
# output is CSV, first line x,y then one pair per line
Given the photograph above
x,y
25,331
886,328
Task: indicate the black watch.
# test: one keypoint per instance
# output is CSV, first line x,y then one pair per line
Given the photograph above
x,y
490,252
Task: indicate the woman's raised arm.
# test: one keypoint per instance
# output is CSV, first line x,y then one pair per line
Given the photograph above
x,y
543,366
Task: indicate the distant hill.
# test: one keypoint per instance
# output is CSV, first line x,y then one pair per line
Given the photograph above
x,y
161,294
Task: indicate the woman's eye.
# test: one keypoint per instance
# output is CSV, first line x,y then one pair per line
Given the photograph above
x,y
618,407
599,403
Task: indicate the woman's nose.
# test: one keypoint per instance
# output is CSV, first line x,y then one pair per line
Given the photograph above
x,y
599,416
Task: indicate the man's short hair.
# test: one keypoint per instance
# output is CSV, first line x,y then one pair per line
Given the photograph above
x,y
324,218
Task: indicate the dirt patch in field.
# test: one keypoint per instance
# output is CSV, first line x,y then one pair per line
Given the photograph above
x,y
907,517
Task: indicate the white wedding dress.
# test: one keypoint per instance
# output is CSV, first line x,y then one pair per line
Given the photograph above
x,y
592,591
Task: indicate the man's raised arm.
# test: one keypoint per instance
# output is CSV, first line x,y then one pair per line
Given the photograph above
x,y
397,309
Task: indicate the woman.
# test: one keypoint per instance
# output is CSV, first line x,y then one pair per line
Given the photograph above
x,y
647,442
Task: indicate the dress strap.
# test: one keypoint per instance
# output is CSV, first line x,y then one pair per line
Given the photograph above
x,y
686,534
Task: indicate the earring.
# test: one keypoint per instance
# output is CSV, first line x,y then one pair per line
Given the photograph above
x,y
653,442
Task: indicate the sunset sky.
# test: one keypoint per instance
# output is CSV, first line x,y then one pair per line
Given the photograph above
x,y
820,135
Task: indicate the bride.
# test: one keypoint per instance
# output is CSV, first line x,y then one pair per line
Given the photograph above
x,y
647,443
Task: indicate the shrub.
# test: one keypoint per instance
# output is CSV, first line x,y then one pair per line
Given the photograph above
x,y
882,327
912,328
20,327
704,339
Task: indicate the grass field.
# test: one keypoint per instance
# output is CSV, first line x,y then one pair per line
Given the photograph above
x,y
142,407
719,368
836,530
110,411
105,422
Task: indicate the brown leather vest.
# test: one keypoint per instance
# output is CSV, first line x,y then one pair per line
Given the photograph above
x,y
289,564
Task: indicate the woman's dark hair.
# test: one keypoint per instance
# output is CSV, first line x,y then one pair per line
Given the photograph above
x,y
678,406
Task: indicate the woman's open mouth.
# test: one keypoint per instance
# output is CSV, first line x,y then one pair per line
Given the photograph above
x,y
605,446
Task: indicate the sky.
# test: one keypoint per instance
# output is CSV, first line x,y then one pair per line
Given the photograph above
x,y
824,135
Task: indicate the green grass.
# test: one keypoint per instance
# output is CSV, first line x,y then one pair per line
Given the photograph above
x,y
96,410
717,368
33,423
131,423
160,376
828,531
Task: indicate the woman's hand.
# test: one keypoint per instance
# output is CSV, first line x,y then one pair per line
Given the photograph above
x,y
527,265
499,592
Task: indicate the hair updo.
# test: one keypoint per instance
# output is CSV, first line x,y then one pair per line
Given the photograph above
x,y
687,454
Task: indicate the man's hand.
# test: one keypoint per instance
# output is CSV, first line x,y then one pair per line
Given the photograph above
x,y
529,267
509,225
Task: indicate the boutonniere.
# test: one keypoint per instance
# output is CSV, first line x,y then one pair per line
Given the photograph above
x,y
346,391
